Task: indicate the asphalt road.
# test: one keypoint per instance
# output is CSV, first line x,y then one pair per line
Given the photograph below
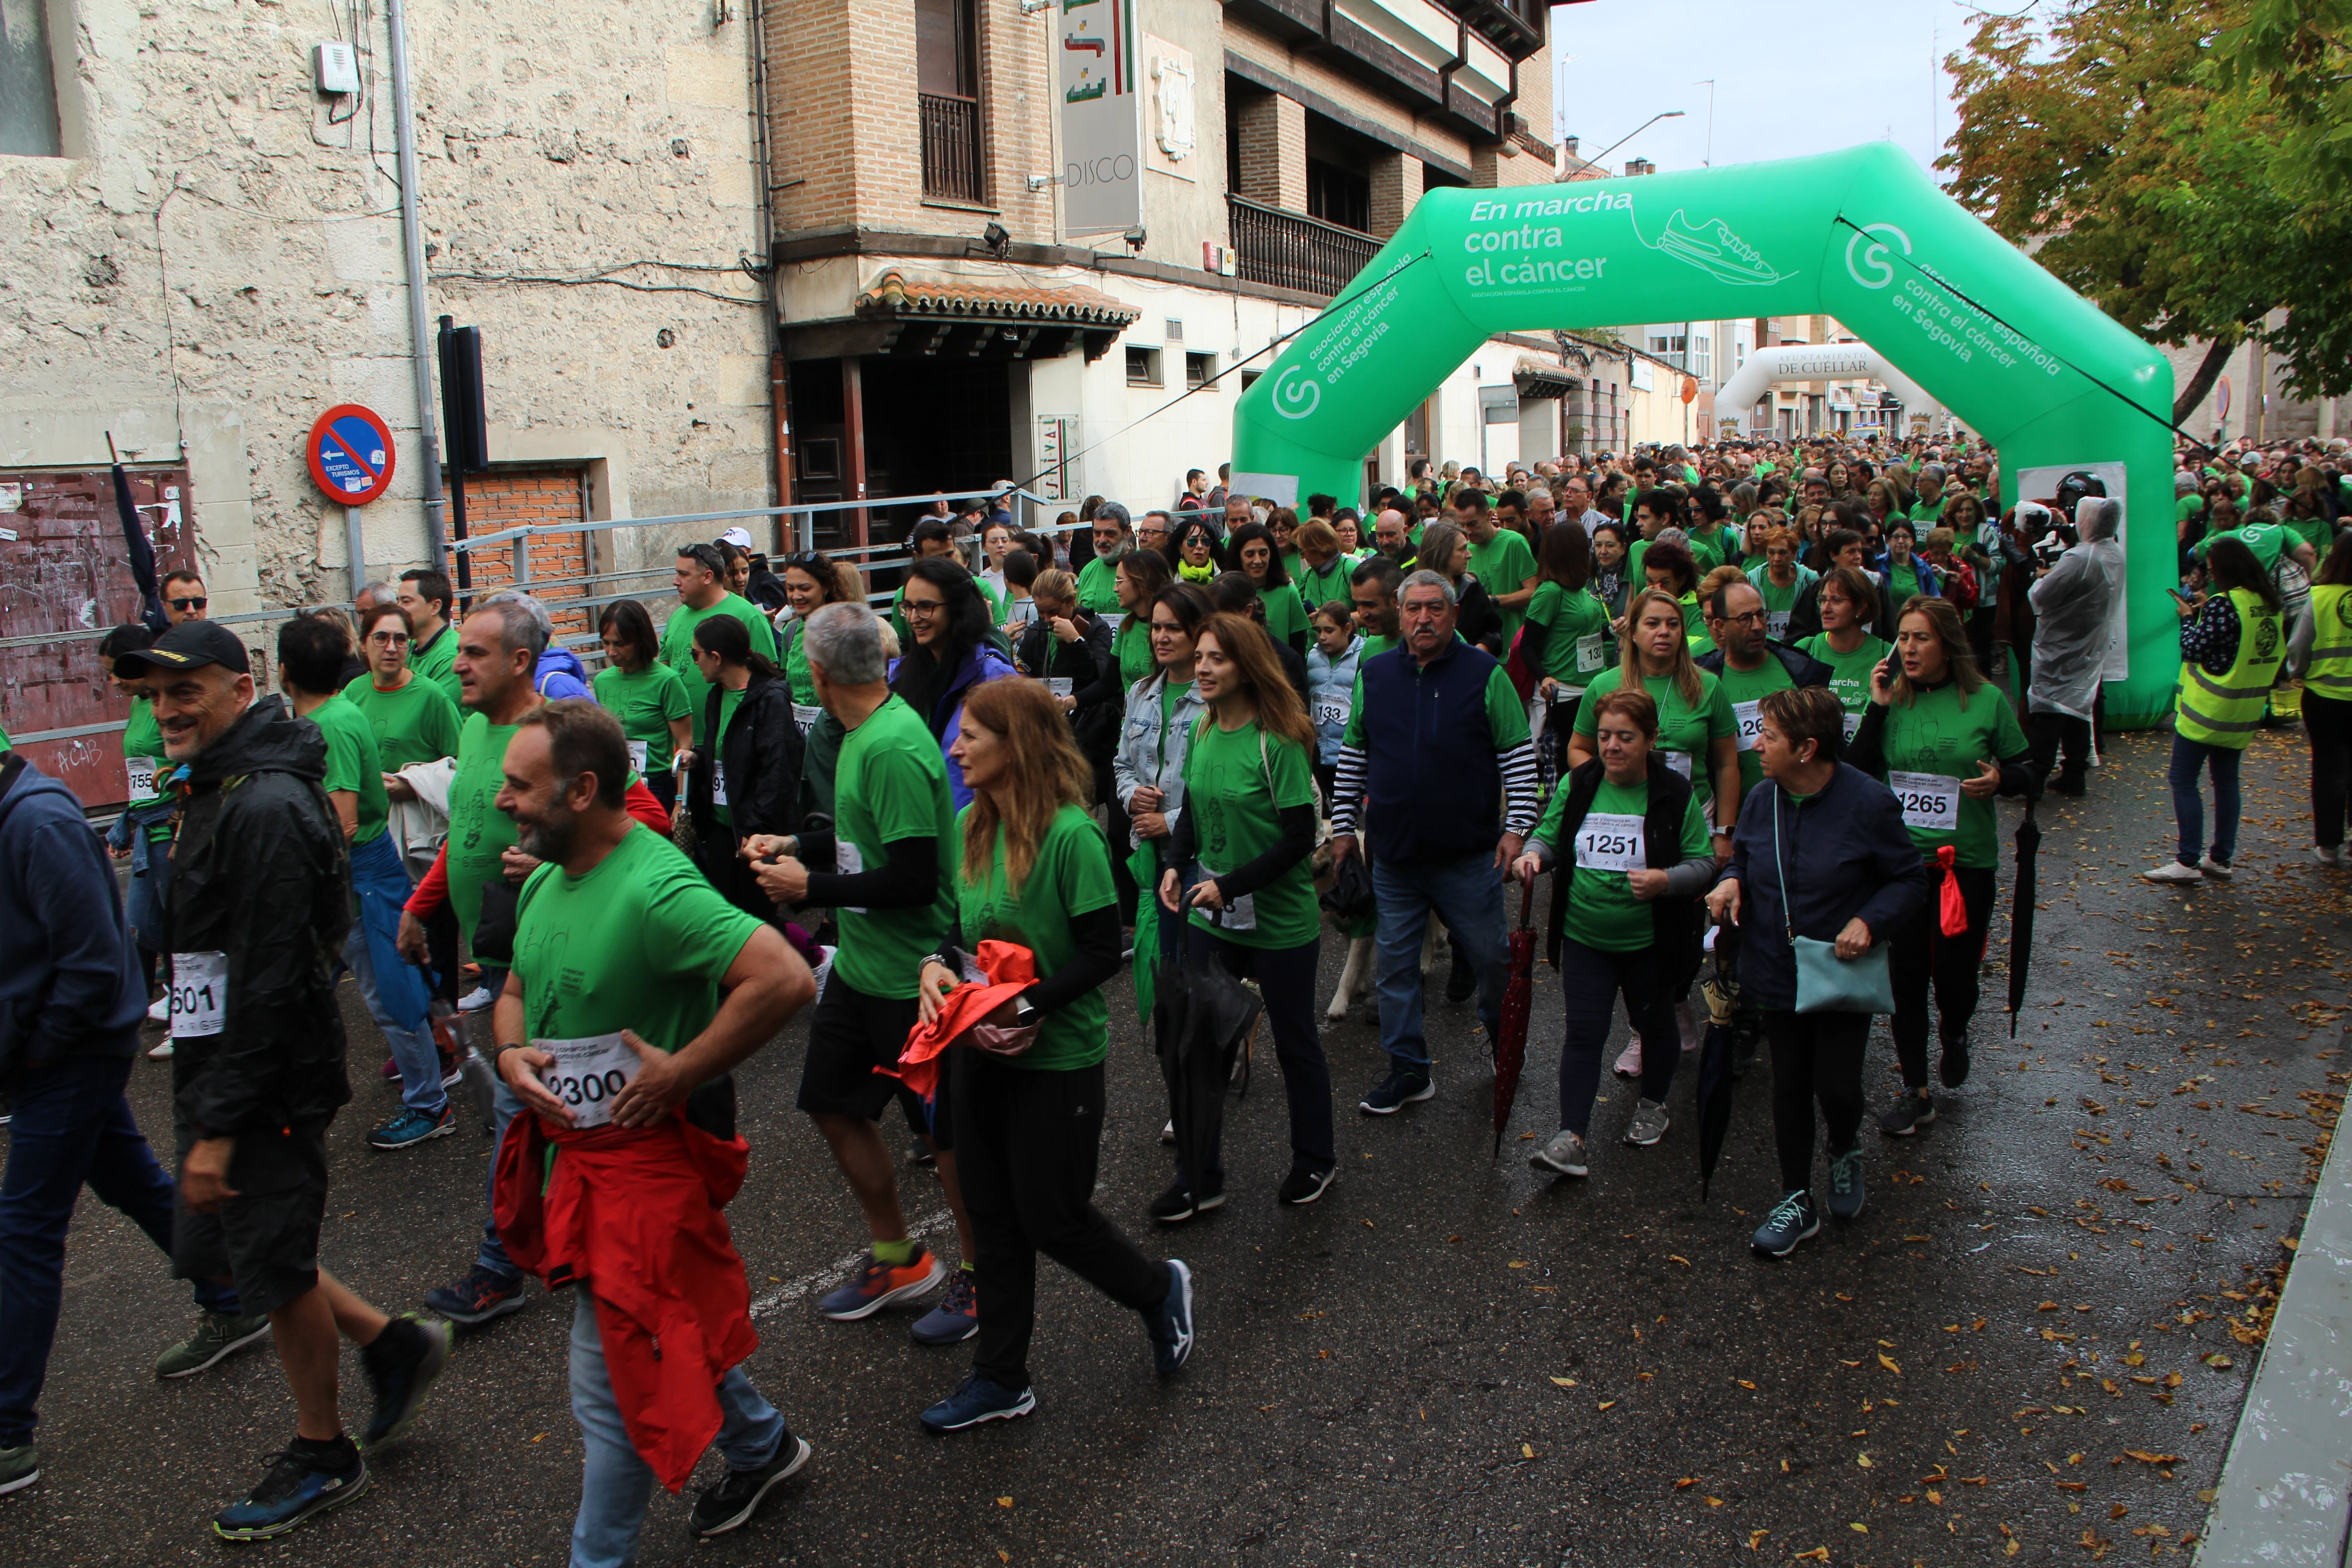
x,y
1448,1360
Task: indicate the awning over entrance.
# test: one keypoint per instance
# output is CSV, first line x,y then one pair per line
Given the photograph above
x,y
965,320
1539,378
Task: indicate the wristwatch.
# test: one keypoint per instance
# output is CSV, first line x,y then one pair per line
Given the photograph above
x,y
1025,1012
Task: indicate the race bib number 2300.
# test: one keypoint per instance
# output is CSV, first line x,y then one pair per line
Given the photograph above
x,y
587,1074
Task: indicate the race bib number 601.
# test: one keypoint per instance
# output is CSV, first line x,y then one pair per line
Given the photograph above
x,y
588,1074
199,993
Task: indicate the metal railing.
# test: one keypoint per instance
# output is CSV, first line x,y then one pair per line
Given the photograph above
x,y
950,147
1291,250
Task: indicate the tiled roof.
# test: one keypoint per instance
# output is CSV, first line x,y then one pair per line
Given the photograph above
x,y
895,294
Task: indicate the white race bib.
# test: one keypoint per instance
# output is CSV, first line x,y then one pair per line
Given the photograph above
x,y
1852,722
587,1074
1331,711
638,755
1061,686
1610,841
1588,653
1750,719
806,718
1679,761
1776,624
199,993
141,774
1930,801
847,861
718,779
1239,913
1114,619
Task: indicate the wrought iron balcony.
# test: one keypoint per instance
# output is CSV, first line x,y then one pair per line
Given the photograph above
x,y
1291,250
950,148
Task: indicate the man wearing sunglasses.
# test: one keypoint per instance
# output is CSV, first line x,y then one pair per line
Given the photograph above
x,y
183,597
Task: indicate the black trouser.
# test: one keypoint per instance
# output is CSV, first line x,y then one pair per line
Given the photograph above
x,y
1923,952
2329,722
2049,730
1286,977
1591,980
1816,1056
1026,1146
441,950
1119,830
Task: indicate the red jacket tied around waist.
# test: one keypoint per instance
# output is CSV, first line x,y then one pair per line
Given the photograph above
x,y
634,1214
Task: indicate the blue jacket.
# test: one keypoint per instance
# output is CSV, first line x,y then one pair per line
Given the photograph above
x,y
1433,774
559,674
1846,854
986,661
1330,682
1931,583
69,980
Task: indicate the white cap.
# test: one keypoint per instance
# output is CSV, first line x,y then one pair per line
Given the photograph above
x,y
740,538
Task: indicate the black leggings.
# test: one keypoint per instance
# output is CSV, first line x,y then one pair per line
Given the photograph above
x,y
1590,980
2329,723
1923,952
1815,1056
1027,1142
1286,977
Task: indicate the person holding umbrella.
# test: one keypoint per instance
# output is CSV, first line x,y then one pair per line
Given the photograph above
x,y
1239,875
1628,833
1820,858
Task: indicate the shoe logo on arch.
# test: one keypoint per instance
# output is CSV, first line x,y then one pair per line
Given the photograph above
x,y
1715,249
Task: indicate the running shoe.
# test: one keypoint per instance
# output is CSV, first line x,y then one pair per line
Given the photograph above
x,y
1303,1185
161,1051
1564,1154
2173,871
160,1011
976,1401
735,1498
481,1295
1399,1089
1845,1185
1650,1123
2220,870
878,1284
2326,853
1793,1219
956,1318
408,1127
474,1001
1171,1323
218,1336
306,1478
920,1153
390,1071
452,1069
1168,1131
1629,1061
1911,1109
1953,1066
19,1468
401,1366
1179,1202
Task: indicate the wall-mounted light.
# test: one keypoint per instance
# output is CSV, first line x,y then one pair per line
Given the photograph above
x,y
995,237
1135,237
1031,7
1039,181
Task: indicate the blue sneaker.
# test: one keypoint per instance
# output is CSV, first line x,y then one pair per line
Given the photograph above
x,y
410,1127
1845,1185
1171,1323
977,1401
1793,1219
481,1295
401,1366
307,1479
957,1317
878,1284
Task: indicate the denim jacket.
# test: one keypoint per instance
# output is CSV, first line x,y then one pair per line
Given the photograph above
x,y
1139,764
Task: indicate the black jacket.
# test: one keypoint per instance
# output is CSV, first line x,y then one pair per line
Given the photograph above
x,y
261,874
69,983
762,752
1091,668
1804,669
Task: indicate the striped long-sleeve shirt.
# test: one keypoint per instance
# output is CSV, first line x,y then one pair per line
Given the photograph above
x,y
1409,730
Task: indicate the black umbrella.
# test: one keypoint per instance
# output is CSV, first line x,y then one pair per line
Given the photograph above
x,y
136,547
1717,1069
2021,913
1200,1016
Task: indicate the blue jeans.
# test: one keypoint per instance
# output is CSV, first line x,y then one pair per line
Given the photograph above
x,y
73,1128
615,1484
2189,759
151,869
1467,895
493,1254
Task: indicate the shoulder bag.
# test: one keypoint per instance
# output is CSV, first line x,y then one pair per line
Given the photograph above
x,y
1826,982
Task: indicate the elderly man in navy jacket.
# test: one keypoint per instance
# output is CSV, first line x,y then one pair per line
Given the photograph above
x,y
1437,747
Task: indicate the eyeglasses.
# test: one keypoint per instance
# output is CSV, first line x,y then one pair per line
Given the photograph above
x,y
807,560
389,640
922,609
187,603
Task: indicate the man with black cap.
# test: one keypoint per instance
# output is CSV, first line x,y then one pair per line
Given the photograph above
x,y
260,901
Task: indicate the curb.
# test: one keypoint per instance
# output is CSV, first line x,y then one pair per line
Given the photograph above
x,y
2284,1499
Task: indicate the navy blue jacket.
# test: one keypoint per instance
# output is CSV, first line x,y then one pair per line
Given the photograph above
x,y
1434,778
1846,853
69,980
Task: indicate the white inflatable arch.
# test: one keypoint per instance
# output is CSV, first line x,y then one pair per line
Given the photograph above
x,y
1765,368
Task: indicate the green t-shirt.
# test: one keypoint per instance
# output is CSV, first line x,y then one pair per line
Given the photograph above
x,y
1930,512
1285,617
1849,672
1707,549
479,833
1902,583
1571,621
1935,734
435,660
796,666
1503,566
413,723
889,785
1601,910
1131,645
639,943
1779,601
1744,688
1098,587
677,645
1374,647
1071,877
1234,795
141,737
727,702
1687,731
1317,589
2187,506
352,764
644,701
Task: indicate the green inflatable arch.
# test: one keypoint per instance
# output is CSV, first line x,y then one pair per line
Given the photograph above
x,y
1861,234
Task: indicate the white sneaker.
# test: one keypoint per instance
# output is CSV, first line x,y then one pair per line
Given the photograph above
x,y
161,1013
474,1001
2219,870
1564,1154
2173,871
2326,853
1168,1134
161,1051
1629,1061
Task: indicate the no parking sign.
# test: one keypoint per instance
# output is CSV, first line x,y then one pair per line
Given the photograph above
x,y
350,454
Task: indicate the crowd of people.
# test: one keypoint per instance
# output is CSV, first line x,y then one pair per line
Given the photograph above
x,y
1757,699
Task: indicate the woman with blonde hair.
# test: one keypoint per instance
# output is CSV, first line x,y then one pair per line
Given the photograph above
x,y
1033,871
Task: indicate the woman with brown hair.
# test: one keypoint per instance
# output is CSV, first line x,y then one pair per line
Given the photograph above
x,y
1034,871
1239,875
1445,550
1695,732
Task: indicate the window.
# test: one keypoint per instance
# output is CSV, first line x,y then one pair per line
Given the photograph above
x,y
947,80
1249,378
1339,196
28,83
1143,367
1199,368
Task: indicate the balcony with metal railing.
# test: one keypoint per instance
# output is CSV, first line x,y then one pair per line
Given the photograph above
x,y
1291,250
950,148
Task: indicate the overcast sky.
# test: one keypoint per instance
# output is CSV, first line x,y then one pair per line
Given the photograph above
x,y
1790,79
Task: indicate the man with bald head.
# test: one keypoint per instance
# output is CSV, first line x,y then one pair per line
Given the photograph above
x,y
1391,537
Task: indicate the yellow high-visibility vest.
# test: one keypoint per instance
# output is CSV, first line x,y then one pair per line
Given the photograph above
x,y
2330,674
2225,709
